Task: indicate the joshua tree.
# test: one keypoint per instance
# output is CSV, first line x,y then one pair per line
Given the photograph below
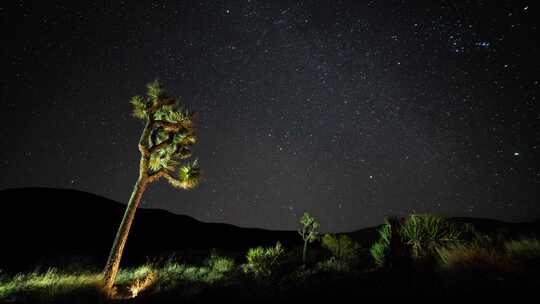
x,y
166,139
309,232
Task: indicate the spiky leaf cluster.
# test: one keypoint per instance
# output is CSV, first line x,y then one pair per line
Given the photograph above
x,y
155,90
139,107
168,136
419,235
189,175
263,262
309,229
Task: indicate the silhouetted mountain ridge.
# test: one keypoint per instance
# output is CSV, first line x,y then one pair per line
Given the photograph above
x,y
45,226
41,225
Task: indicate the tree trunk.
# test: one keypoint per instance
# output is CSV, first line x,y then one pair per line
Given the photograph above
x,y
304,253
111,268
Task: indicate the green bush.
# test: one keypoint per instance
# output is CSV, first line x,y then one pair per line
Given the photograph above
x,y
334,265
220,264
262,262
419,236
526,251
425,233
342,246
380,250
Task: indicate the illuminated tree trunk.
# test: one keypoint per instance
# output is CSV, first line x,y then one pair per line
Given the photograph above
x,y
113,263
166,139
304,253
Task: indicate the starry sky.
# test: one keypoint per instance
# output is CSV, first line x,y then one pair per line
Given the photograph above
x,y
349,110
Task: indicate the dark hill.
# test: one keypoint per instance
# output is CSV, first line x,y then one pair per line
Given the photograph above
x,y
47,227
55,227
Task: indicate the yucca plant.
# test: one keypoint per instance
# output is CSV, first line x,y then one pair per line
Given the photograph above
x,y
418,236
261,262
424,233
165,142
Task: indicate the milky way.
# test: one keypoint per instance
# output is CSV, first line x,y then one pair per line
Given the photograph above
x,y
350,110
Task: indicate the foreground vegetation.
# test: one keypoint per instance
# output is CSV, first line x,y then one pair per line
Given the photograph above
x,y
421,254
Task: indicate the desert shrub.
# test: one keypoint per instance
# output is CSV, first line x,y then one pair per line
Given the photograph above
x,y
424,233
417,237
380,250
342,246
472,258
262,262
220,264
334,265
170,276
194,273
526,251
220,267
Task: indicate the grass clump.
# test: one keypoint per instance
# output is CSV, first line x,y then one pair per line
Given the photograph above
x,y
263,262
44,286
220,264
474,258
54,285
220,267
129,275
334,265
526,251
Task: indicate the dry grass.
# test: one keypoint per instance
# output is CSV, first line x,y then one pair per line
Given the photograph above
x,y
474,258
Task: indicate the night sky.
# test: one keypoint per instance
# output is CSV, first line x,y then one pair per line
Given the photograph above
x,y
350,110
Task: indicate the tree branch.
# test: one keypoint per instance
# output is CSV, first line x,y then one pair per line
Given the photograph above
x,y
143,139
173,181
154,177
163,173
168,126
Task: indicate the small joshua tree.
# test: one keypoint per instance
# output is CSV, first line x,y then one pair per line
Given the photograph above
x,y
166,139
309,232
